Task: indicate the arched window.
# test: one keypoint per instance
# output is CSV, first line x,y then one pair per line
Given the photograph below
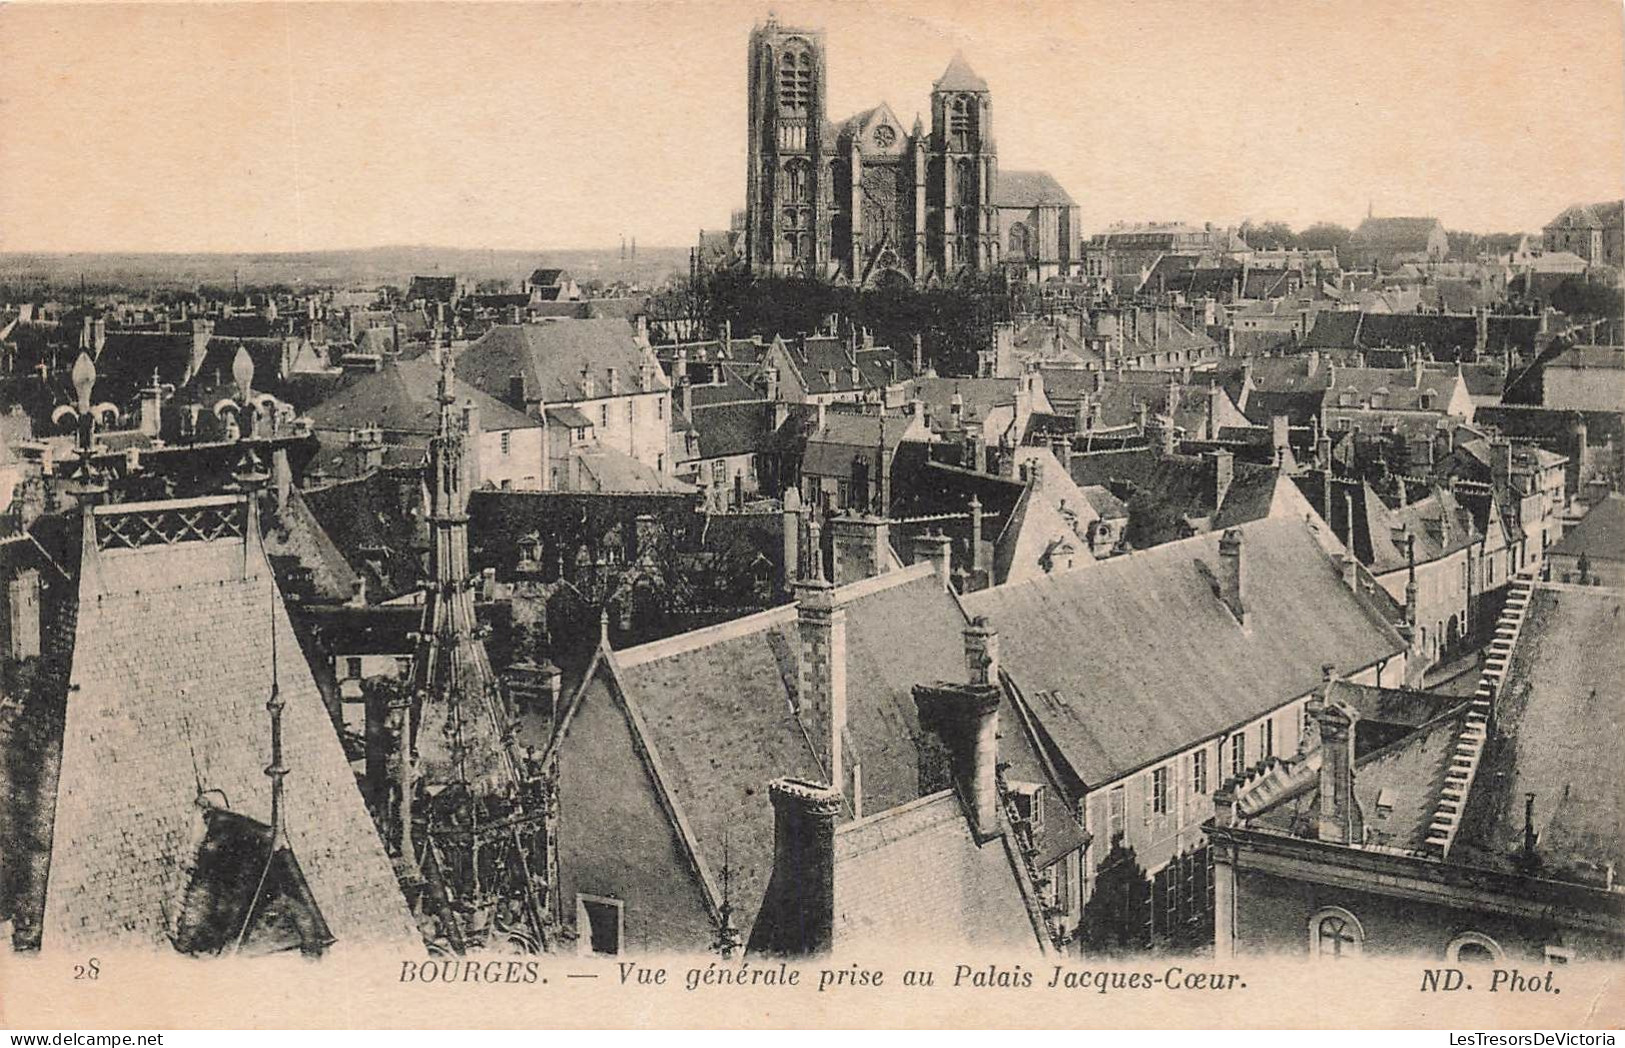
x,y
1335,933
795,80
1474,948
1018,240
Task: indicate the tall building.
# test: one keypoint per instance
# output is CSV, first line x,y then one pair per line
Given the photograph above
x,y
866,201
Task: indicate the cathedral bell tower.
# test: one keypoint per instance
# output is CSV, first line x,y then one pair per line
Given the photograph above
x,y
787,212
963,172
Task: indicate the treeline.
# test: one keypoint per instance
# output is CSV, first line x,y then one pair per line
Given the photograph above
x,y
954,322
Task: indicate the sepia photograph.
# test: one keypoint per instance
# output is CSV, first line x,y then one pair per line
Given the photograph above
x,y
718,514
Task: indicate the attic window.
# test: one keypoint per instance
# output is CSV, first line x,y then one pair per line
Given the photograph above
x,y
1028,799
1385,802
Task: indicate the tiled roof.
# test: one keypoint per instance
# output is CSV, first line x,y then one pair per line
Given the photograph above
x,y
172,668
552,357
401,398
1137,657
1029,189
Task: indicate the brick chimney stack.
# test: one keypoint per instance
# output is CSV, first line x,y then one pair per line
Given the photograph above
x,y
1232,575
821,692
792,538
965,718
981,652
797,918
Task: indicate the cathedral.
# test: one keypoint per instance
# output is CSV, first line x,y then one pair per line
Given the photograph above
x,y
866,201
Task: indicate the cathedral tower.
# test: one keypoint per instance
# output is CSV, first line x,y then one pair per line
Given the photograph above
x,y
787,211
963,171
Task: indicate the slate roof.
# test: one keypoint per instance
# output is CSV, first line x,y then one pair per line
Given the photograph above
x,y
1030,189
1600,533
552,357
718,711
959,76
1137,658
816,361
379,523
733,429
616,471
1561,712
1393,234
172,668
434,289
973,895
401,398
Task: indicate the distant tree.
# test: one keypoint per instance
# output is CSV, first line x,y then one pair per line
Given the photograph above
x,y
1579,297
493,286
1324,236
1117,917
1268,236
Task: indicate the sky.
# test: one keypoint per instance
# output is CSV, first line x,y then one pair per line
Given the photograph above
x,y
277,127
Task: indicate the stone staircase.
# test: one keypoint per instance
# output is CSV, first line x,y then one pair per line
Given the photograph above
x,y
1474,734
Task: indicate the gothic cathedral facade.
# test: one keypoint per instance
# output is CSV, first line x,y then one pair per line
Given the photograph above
x,y
865,202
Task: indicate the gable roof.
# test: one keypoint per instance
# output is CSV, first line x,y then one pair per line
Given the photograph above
x,y
1600,533
717,706
1394,233
172,666
1029,189
553,357
1137,658
402,397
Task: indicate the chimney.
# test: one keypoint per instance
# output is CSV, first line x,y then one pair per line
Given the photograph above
x,y
1481,338
792,538
1411,601
937,548
1280,437
1232,580
978,567
919,357
821,694
1215,395
1338,817
1061,448
797,918
1348,568
728,337
965,719
981,652
1224,472
861,546
679,372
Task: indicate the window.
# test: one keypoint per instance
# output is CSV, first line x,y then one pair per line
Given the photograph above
x,y
660,407
599,925
507,441
1199,771
1474,948
1266,739
1115,802
1334,933
795,81
603,415
631,411
1159,790
1556,955
1028,798
352,667
1238,754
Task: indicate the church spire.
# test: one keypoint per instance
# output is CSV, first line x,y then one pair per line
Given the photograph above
x,y
959,76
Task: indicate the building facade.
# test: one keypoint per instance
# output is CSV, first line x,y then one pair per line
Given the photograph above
x,y
868,201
